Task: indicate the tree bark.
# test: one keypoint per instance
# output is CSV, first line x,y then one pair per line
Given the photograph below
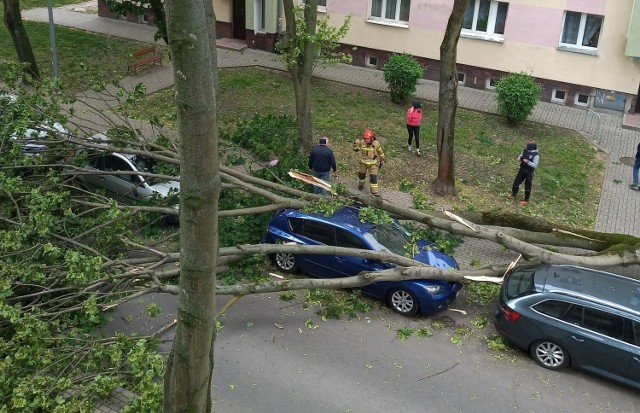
x,y
303,68
191,32
13,22
445,183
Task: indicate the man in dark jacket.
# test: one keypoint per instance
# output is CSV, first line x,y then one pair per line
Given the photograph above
x,y
528,163
636,167
321,161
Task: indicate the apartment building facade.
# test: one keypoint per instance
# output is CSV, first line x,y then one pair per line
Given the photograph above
x,y
584,52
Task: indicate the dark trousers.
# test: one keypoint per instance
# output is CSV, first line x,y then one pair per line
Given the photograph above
x,y
414,131
525,175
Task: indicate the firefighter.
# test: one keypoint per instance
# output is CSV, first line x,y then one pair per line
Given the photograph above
x,y
371,158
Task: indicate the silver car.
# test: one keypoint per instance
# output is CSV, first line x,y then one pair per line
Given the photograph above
x,y
131,185
33,138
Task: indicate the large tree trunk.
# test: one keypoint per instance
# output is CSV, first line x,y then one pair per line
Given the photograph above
x,y
445,183
191,31
302,70
13,22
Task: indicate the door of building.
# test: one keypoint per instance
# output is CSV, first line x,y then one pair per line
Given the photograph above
x,y
239,19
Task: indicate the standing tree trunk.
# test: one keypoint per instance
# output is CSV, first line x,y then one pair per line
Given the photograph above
x,y
445,183
191,32
13,22
302,68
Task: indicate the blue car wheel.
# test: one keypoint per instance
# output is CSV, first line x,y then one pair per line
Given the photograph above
x,y
285,262
403,301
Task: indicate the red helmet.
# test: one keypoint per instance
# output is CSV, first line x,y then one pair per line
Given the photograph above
x,y
367,134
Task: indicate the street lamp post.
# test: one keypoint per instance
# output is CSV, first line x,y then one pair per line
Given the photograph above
x,y
52,41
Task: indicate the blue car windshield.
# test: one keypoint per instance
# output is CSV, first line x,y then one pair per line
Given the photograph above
x,y
392,237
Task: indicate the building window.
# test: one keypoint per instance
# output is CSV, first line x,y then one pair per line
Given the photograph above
x,y
491,83
581,30
485,19
260,18
559,96
581,100
322,5
393,11
371,61
462,78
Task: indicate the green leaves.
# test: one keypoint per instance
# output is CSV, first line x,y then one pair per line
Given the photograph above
x,y
402,73
517,95
325,40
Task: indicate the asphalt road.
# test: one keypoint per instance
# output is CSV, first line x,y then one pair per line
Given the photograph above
x,y
275,356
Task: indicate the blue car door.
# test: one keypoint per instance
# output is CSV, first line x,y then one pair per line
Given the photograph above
x,y
598,345
350,266
632,336
315,233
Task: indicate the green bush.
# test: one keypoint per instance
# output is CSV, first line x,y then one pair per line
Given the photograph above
x,y
402,73
518,94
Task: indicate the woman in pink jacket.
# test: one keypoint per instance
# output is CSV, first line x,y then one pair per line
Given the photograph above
x,y
414,118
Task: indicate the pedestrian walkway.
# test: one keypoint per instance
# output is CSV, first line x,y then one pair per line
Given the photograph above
x,y
617,212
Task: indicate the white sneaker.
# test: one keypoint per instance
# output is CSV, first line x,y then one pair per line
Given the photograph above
x,y
410,148
418,152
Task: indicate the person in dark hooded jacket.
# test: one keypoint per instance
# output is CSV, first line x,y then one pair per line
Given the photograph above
x,y
528,164
321,162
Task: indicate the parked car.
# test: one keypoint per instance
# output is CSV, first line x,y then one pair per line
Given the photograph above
x,y
33,138
568,315
127,188
344,229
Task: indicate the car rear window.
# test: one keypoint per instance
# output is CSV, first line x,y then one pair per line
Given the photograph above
x,y
519,283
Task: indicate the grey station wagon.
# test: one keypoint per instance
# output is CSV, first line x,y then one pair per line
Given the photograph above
x,y
568,315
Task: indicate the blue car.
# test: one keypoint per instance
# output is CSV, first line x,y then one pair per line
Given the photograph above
x,y
344,229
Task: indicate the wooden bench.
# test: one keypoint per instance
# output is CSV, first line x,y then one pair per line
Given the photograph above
x,y
144,57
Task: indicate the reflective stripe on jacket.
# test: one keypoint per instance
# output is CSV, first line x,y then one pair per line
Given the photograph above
x,y
369,154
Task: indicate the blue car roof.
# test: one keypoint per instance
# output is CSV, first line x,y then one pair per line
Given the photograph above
x,y
347,216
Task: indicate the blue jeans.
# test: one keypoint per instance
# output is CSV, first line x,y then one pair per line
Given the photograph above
x,y
325,177
636,167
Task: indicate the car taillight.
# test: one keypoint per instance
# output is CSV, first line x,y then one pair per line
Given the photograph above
x,y
509,314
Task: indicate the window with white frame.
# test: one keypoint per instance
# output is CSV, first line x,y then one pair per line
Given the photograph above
x,y
322,5
371,61
581,100
462,78
485,19
491,83
392,11
260,19
559,96
581,30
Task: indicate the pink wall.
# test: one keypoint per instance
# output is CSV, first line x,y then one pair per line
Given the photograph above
x,y
587,6
357,8
523,21
431,15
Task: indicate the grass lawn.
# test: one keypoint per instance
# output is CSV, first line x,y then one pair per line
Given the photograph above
x,y
32,4
83,58
566,188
